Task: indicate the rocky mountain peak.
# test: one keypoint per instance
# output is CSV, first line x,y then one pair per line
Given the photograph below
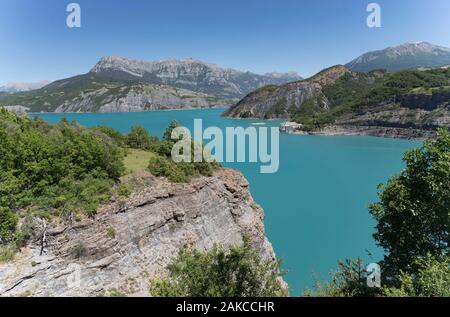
x,y
412,55
191,74
330,75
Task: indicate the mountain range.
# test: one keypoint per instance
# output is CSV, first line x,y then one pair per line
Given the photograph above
x,y
117,84
13,87
420,55
190,74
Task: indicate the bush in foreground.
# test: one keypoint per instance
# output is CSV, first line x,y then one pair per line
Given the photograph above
x,y
238,272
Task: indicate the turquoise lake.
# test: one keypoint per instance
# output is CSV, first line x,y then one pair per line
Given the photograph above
x,y
315,205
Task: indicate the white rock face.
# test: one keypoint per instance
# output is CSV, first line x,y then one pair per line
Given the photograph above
x,y
150,228
17,109
140,98
191,74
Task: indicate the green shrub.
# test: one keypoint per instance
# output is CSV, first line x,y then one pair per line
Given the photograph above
x,y
431,280
53,170
7,252
413,213
238,272
139,138
8,223
180,172
350,280
111,232
118,138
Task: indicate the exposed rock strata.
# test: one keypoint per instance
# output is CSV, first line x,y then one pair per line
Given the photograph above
x,y
149,229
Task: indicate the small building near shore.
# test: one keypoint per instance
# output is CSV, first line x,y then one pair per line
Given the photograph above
x,y
289,127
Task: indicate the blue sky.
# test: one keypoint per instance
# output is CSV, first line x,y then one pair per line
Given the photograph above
x,y
255,35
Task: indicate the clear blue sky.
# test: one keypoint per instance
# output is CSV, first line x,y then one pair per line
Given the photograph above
x,y
255,35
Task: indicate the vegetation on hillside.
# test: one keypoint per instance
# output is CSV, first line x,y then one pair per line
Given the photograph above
x,y
51,170
67,171
180,172
357,92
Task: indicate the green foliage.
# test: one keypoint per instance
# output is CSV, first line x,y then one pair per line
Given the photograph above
x,y
181,172
413,214
350,280
431,280
278,110
139,138
239,272
168,132
7,252
115,136
356,92
116,293
8,222
111,232
413,218
162,165
58,170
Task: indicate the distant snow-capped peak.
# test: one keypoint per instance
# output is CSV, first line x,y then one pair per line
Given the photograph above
x,y
23,86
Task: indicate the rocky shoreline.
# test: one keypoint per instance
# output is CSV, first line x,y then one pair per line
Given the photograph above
x,y
377,131
148,230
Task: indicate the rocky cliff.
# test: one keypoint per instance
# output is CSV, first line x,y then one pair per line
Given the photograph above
x,y
130,242
138,98
117,84
283,101
190,74
93,93
340,101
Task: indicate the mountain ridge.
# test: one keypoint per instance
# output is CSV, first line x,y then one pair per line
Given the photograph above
x,y
13,87
117,84
190,74
411,55
337,100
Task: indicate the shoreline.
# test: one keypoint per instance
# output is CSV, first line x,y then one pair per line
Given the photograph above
x,y
332,130
375,131
156,110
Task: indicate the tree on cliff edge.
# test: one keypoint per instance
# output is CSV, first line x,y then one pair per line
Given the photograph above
x,y
413,214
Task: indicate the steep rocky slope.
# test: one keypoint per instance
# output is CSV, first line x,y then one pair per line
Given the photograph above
x,y
149,229
282,101
93,93
117,84
338,100
190,74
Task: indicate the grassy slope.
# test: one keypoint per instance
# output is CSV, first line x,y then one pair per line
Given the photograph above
x,y
137,160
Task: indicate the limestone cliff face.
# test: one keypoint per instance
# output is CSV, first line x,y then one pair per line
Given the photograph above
x,y
138,98
190,74
129,243
281,101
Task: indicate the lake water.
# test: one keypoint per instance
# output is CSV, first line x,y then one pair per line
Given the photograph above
x,y
315,205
